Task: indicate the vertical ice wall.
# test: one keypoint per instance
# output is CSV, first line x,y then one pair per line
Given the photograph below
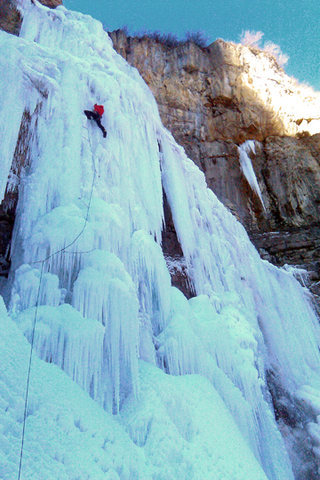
x,y
106,299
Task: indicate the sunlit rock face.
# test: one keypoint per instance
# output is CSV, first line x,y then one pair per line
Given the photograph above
x,y
225,92
216,98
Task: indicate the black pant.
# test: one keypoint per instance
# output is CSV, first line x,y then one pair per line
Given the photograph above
x,y
95,116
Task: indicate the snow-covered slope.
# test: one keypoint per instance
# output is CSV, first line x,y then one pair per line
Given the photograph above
x,y
185,380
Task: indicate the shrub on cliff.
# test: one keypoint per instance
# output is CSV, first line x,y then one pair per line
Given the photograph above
x,y
170,40
198,38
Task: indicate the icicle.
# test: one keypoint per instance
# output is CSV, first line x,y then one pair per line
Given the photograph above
x,y
246,166
64,337
104,292
151,275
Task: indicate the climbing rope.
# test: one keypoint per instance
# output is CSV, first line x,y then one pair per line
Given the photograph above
x,y
85,222
43,261
29,372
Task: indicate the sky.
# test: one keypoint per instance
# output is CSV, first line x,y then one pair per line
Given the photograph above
x,y
294,25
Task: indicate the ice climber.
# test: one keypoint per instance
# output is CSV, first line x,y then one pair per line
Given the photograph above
x,y
97,115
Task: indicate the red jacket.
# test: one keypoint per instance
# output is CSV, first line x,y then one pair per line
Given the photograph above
x,y
99,109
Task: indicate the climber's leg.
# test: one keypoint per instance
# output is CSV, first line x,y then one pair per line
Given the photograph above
x,y
88,114
98,120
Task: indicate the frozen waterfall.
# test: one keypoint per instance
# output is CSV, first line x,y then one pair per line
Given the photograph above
x,y
166,387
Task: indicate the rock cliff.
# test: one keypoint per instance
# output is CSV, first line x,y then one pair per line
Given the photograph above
x,y
212,100
225,92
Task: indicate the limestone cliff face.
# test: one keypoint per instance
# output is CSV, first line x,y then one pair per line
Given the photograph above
x,y
226,92
214,99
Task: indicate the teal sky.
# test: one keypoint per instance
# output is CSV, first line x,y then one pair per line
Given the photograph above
x,y
294,25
